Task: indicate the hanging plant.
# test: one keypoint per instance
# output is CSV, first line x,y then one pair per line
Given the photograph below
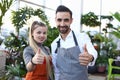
x,y
90,19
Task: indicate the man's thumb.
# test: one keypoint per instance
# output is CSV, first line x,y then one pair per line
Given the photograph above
x,y
85,48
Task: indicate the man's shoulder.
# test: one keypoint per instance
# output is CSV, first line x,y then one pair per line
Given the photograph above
x,y
81,34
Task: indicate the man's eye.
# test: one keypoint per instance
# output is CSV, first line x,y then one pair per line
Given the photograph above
x,y
59,20
65,20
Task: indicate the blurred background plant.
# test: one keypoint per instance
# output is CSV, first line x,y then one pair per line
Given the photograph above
x,y
90,19
4,6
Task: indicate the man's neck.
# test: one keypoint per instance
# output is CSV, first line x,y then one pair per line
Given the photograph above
x,y
63,36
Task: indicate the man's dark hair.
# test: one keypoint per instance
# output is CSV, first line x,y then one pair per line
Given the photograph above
x,y
63,8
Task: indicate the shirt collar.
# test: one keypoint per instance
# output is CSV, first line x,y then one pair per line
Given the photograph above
x,y
69,35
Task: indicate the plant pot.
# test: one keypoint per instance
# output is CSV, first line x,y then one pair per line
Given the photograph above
x,y
101,68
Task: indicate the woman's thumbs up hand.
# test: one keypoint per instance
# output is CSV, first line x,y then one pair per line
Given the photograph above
x,y
38,58
85,58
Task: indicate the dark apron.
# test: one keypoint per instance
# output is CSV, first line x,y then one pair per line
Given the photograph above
x,y
68,63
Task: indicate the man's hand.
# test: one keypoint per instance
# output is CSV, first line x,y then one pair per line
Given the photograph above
x,y
85,57
38,58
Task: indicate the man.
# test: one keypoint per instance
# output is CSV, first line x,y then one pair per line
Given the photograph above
x,y
72,52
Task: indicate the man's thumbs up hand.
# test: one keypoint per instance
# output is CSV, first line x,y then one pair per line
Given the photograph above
x,y
38,58
85,49
85,57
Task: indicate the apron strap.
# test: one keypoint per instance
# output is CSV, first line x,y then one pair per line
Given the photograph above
x,y
58,45
58,42
75,40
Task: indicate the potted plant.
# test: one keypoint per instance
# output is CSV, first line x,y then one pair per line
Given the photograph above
x,y
107,50
101,63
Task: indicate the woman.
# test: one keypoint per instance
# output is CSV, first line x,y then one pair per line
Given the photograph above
x,y
36,56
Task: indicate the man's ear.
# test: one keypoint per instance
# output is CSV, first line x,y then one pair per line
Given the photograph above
x,y
71,20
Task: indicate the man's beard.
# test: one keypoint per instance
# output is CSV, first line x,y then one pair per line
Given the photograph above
x,y
63,29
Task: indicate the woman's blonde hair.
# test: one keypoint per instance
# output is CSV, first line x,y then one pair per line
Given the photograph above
x,y
35,47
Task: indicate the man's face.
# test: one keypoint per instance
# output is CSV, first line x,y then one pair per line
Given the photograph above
x,y
63,21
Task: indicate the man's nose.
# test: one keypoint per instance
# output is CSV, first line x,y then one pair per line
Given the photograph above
x,y
62,23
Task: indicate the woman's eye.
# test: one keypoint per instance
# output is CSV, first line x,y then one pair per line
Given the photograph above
x,y
44,33
39,32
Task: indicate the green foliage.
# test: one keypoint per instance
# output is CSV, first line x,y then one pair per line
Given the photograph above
x,y
107,48
102,60
52,34
4,6
116,15
20,17
110,18
99,36
16,70
90,19
15,44
116,31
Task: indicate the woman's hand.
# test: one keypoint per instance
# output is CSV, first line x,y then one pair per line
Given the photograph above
x,y
38,58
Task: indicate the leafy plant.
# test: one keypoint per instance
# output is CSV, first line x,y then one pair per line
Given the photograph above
x,y
90,19
4,6
22,15
16,70
15,43
15,46
107,48
116,31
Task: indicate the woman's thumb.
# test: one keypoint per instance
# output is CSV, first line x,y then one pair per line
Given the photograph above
x,y
38,52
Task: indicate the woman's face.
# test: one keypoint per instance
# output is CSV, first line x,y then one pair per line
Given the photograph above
x,y
40,34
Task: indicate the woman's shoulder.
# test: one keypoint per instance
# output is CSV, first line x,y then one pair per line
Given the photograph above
x,y
28,49
46,47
